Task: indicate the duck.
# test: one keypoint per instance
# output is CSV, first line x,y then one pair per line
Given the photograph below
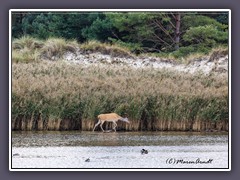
x,y
87,160
16,154
144,151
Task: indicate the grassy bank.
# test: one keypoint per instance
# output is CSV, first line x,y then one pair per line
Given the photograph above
x,y
61,96
28,49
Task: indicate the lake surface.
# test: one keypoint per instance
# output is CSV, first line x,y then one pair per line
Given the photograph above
x,y
70,149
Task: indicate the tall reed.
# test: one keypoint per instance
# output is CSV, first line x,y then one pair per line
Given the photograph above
x,y
62,96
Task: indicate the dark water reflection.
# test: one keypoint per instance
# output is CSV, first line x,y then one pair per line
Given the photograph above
x,y
77,138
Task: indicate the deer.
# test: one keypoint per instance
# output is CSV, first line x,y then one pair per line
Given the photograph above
x,y
110,117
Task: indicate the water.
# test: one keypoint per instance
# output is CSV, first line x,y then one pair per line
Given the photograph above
x,y
70,149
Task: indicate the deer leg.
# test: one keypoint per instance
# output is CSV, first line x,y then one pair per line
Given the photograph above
x,y
101,126
115,125
96,124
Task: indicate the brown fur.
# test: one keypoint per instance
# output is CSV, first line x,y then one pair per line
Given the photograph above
x,y
109,116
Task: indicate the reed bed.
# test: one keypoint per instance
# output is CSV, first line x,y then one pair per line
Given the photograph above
x,y
62,96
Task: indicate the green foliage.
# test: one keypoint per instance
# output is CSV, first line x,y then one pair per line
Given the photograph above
x,y
133,47
69,26
205,35
190,21
183,52
202,34
141,32
17,25
221,17
36,25
45,25
141,29
100,30
41,26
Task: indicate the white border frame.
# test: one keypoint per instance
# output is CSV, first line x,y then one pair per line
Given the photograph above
x,y
117,10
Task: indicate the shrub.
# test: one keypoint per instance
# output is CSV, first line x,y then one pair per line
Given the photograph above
x,y
56,47
113,50
26,42
205,36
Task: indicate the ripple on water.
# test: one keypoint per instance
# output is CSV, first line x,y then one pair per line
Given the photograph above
x,y
76,138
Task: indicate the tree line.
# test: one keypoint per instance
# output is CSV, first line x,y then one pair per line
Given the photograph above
x,y
180,33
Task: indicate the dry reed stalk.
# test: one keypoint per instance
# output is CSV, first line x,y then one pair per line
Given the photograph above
x,y
153,99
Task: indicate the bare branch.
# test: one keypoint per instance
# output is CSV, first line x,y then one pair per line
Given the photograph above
x,y
161,39
114,34
172,25
173,15
164,30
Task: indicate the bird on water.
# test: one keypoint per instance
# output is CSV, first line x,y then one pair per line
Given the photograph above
x,y
144,151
